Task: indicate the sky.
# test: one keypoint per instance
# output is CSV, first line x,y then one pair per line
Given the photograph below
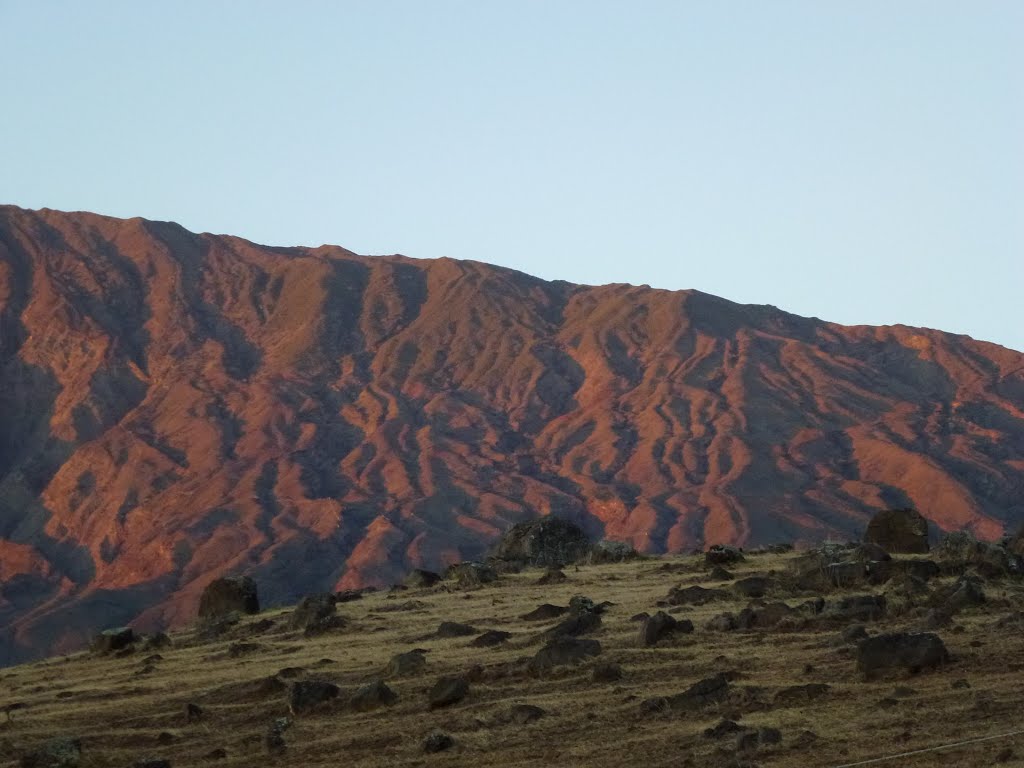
x,y
861,161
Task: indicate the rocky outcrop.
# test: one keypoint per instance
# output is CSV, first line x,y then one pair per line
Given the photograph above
x,y
176,407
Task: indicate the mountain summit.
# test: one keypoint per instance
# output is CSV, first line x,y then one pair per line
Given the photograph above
x,y
175,407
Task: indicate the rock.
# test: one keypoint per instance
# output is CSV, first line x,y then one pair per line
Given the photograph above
x,y
901,650
903,531
606,672
447,691
193,713
752,587
216,754
718,573
846,574
694,595
960,549
156,642
348,595
437,742
965,592
857,608
152,762
237,650
935,618
491,638
454,629
577,624
770,615
853,634
552,576
723,622
523,714
316,614
547,541
544,612
307,695
881,572
723,728
372,696
112,640
274,738
708,691
579,604
470,575
228,595
421,579
661,625
721,554
749,741
561,651
611,552
62,752
408,663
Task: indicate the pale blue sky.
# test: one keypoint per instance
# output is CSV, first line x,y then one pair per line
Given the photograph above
x,y
861,161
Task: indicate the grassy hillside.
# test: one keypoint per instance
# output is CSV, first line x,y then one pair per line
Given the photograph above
x,y
128,708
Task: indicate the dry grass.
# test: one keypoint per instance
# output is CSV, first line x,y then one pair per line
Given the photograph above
x,y
119,713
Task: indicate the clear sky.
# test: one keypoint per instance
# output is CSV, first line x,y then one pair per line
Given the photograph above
x,y
857,160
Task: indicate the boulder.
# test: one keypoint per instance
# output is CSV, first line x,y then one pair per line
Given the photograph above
x,y
661,625
372,696
62,752
960,550
695,595
315,614
229,595
552,576
798,695
606,672
720,554
711,690
857,608
524,714
408,663
112,640
752,586
437,742
562,651
611,552
953,598
544,612
307,695
904,531
911,652
491,638
547,541
447,691
577,624
454,629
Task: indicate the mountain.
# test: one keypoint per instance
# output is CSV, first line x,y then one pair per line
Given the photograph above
x,y
174,407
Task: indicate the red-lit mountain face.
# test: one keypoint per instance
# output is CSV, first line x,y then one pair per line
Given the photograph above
x,y
174,407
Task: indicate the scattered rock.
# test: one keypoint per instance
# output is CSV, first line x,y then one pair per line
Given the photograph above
x,y
307,695
491,638
547,541
62,752
611,552
348,595
751,740
447,691
372,696
752,587
437,742
523,714
695,595
723,622
316,614
901,650
454,629
577,624
853,634
193,713
544,612
661,625
156,642
562,651
408,663
718,573
903,531
228,595
274,738
721,554
857,608
794,695
708,691
112,640
722,728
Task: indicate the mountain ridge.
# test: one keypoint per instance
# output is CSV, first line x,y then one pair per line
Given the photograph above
x,y
176,406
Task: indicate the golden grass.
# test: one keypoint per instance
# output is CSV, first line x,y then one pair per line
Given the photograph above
x,y
119,713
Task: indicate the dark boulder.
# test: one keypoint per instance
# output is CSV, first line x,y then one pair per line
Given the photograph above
x,y
857,608
720,554
316,614
408,663
228,595
718,573
437,742
524,714
454,629
797,695
547,541
307,695
60,752
900,651
903,531
372,696
695,595
752,586
577,624
544,612
491,638
113,640
960,550
562,651
447,691
660,626
611,552
606,672
711,690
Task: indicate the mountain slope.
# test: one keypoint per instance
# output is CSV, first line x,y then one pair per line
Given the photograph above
x,y
177,406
